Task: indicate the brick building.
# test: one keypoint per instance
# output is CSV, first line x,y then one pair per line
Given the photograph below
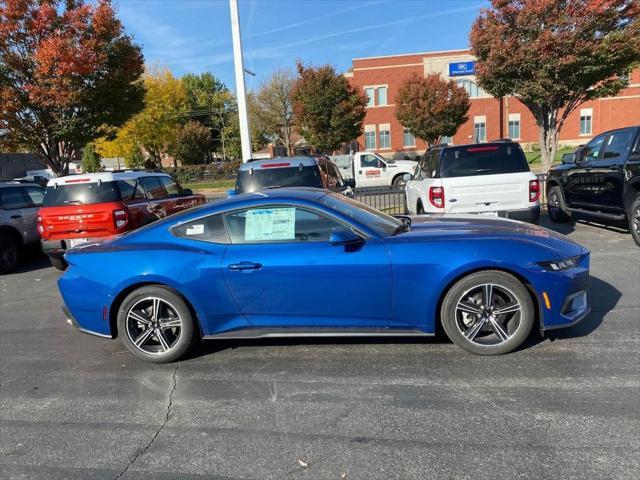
x,y
489,118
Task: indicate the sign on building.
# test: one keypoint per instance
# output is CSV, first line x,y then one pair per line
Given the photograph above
x,y
462,68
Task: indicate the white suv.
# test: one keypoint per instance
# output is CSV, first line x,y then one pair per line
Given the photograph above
x,y
488,179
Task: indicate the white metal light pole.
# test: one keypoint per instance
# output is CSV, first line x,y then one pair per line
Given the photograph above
x,y
245,135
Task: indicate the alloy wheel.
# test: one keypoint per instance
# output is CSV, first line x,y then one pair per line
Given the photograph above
x,y
636,221
488,314
153,325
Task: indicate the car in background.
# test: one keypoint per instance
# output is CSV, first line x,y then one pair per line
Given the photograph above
x,y
19,204
600,180
278,172
82,208
307,262
490,179
369,169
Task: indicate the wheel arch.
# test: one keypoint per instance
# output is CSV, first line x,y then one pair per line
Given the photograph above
x,y
119,298
12,232
538,320
396,176
631,193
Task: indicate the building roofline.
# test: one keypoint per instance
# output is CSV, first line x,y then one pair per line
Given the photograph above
x,y
435,52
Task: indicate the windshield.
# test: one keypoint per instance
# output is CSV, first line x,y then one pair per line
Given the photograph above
x,y
277,177
379,222
483,160
81,194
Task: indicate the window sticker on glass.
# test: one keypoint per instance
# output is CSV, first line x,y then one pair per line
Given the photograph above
x,y
195,229
269,224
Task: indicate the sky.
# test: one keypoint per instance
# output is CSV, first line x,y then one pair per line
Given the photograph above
x,y
194,36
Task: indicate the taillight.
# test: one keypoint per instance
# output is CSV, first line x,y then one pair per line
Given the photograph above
x,y
436,196
120,218
534,190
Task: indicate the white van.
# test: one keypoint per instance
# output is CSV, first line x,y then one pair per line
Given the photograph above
x,y
488,179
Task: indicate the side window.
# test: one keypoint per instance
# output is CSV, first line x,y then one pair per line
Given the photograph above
x,y
153,187
370,161
593,148
335,173
420,170
617,145
324,175
35,194
172,188
128,189
12,198
278,224
332,181
207,229
433,163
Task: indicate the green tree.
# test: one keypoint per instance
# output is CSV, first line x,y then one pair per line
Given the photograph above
x,y
192,143
67,71
90,159
329,111
271,109
555,55
431,107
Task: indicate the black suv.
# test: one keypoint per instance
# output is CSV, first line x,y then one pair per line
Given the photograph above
x,y
601,179
318,172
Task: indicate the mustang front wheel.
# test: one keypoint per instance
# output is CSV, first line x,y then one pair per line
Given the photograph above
x,y
155,324
488,313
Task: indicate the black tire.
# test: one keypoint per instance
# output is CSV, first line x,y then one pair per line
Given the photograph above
x,y
9,254
634,219
419,208
556,206
59,263
179,339
480,335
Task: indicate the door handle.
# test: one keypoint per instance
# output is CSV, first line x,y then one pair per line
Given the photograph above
x,y
15,217
245,266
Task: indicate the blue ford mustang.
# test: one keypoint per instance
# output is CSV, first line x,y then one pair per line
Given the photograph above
x,y
307,262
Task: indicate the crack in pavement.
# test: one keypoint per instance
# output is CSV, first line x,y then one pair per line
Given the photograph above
x,y
155,435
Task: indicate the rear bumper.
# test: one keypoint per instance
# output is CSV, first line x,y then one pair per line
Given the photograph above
x,y
529,215
57,248
73,322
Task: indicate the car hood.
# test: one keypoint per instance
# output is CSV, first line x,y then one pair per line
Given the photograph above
x,y
451,227
409,164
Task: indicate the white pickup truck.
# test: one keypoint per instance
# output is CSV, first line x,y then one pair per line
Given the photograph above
x,y
371,170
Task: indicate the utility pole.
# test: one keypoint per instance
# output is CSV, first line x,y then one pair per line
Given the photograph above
x,y
245,136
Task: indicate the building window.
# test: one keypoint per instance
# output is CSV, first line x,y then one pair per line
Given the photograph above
x,y
586,115
370,93
382,96
446,140
473,90
514,126
385,135
409,139
370,137
480,128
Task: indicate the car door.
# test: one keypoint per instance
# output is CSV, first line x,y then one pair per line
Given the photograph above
x,y
371,171
283,271
579,184
157,201
175,199
30,213
15,204
607,172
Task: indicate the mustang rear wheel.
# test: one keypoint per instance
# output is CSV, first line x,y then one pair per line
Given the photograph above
x,y
156,325
488,313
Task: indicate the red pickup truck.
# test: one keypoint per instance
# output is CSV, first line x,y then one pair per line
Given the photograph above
x,y
81,208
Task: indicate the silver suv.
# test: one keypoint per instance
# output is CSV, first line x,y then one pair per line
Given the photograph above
x,y
19,204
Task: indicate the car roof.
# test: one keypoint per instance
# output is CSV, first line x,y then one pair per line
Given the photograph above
x,y
279,162
10,183
104,177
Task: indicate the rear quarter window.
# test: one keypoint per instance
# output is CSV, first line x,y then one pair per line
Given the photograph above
x,y
483,160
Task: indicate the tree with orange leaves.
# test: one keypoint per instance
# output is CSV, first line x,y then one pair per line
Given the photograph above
x,y
554,55
67,72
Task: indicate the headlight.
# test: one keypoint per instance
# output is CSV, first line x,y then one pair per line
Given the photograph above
x,y
558,265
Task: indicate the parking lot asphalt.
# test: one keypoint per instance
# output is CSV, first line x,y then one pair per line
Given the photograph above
x,y
74,406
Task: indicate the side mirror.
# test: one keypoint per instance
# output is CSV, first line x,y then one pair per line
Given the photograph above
x,y
344,236
231,193
569,158
187,191
350,182
406,177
